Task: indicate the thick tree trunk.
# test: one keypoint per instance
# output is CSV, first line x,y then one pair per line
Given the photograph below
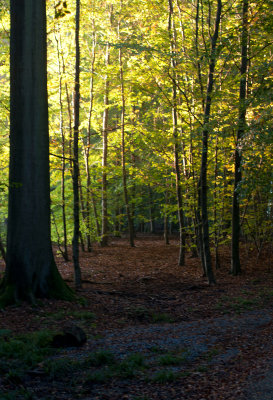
x,y
235,256
31,271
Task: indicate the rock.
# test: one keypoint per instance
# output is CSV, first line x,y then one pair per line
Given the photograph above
x,y
71,336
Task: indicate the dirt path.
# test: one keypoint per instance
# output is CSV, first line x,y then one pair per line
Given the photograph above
x,y
183,361
159,333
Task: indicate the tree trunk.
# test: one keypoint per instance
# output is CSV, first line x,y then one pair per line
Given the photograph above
x,y
76,235
31,270
124,173
87,148
65,250
235,256
104,211
205,136
151,213
182,237
166,217
2,250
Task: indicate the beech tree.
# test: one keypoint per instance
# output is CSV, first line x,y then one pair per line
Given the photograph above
x,y
30,269
235,256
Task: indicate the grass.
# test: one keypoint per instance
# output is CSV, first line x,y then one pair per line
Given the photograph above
x,y
22,394
61,367
128,368
165,376
144,314
21,353
157,350
78,315
237,304
131,366
100,358
171,359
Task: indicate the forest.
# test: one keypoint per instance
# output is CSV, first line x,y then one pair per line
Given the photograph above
x,y
136,186
174,126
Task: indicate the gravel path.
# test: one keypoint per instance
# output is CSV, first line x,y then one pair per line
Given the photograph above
x,y
260,387
230,335
197,337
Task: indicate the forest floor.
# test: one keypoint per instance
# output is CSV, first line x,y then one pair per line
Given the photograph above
x,y
154,330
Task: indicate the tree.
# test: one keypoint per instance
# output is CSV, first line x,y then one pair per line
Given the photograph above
x,y
235,256
105,127
75,242
205,135
123,152
182,236
31,271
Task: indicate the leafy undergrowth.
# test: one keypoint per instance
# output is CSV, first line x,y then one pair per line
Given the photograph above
x,y
127,288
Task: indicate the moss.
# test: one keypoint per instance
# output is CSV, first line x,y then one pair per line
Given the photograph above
x,y
58,289
10,294
7,295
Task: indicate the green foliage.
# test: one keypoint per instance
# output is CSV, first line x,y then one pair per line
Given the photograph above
x,y
144,42
23,352
237,304
165,376
59,368
171,359
100,358
128,368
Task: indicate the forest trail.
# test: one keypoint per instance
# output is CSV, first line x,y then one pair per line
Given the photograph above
x,y
155,330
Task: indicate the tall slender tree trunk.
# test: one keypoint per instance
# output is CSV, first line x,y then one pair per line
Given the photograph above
x,y
104,205
199,71
76,235
87,148
205,136
123,158
182,236
166,217
235,256
151,211
215,213
65,250
2,250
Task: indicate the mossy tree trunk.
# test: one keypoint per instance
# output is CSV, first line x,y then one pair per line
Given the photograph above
x,y
31,271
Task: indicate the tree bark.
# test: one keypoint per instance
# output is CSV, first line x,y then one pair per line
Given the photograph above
x,y
182,236
205,136
123,161
64,251
2,250
31,270
76,235
235,256
104,205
